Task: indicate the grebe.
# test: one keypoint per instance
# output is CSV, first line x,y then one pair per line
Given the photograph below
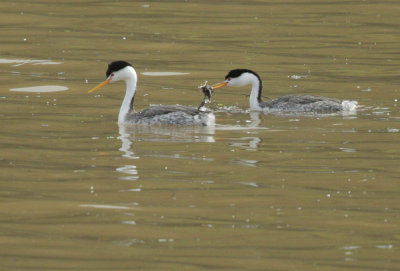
x,y
285,104
163,114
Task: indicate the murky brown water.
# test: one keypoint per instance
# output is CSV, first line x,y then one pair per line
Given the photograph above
x,y
256,192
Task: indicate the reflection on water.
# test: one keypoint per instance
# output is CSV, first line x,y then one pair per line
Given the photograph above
x,y
255,119
40,89
128,133
252,124
130,170
164,73
20,62
106,207
250,143
246,162
195,133
126,145
126,148
247,142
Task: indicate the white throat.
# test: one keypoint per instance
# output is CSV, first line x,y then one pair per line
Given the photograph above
x,y
254,102
127,103
255,93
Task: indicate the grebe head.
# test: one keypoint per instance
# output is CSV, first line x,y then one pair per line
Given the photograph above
x,y
118,71
239,78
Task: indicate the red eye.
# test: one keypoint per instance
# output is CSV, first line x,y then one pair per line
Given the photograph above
x,y
112,75
229,79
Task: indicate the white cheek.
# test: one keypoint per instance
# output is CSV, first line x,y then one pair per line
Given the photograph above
x,y
234,83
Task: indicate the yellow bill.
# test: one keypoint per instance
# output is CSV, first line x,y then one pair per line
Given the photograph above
x,y
219,85
100,85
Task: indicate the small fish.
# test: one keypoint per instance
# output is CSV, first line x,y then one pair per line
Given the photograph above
x,y
208,92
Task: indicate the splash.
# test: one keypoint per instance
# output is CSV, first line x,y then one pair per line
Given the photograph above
x,y
349,106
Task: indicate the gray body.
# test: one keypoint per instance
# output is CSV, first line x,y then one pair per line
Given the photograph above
x,y
303,103
170,114
286,104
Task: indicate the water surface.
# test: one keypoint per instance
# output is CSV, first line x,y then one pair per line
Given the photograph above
x,y
255,192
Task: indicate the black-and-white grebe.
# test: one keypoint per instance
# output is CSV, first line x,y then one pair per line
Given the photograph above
x,y
163,114
286,104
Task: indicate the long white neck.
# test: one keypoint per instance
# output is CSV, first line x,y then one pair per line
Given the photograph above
x,y
255,95
127,103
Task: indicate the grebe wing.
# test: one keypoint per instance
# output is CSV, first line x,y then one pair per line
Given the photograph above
x,y
303,99
154,111
303,103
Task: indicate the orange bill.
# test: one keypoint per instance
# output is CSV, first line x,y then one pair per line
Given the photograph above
x,y
100,85
219,85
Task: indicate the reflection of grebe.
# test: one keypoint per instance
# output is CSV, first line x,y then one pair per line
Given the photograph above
x,y
161,133
126,145
124,136
163,114
288,103
255,119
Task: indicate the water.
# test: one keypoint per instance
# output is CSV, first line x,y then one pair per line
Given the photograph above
x,y
255,192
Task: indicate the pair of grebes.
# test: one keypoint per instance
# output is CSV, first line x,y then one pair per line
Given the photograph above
x,y
185,115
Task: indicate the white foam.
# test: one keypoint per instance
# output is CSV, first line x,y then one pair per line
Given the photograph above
x,y
210,119
40,89
349,106
230,109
